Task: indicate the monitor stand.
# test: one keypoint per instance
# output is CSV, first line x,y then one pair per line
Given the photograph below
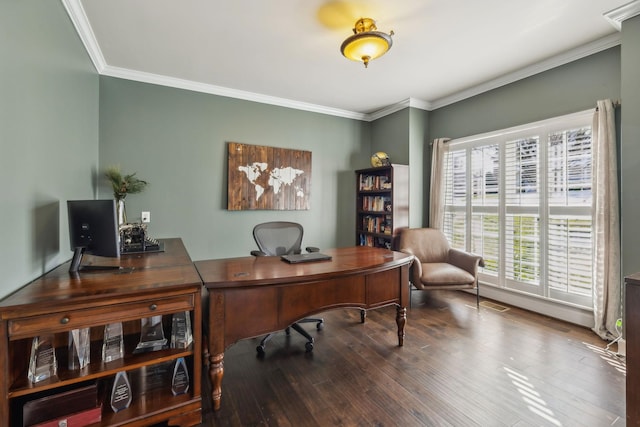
x,y
76,266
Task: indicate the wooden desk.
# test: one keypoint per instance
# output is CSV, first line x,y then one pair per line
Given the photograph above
x,y
151,284
251,296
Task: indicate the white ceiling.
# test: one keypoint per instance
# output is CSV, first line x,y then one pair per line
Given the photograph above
x,y
286,52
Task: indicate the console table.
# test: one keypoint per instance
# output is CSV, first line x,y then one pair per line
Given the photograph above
x,y
252,296
148,285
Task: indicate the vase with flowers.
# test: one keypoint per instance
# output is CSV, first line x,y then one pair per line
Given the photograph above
x,y
123,185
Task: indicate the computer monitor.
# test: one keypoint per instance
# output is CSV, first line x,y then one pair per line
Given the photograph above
x,y
93,229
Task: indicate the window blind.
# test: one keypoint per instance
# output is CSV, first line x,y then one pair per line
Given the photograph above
x,y
521,198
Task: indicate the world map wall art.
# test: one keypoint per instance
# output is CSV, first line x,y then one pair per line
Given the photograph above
x,y
268,178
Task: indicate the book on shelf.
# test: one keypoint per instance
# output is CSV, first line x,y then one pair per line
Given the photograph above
x,y
374,241
377,224
376,204
374,182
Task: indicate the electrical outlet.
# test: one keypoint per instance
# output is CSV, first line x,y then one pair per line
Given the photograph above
x,y
146,216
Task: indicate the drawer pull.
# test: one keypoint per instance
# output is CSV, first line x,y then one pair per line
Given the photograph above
x,y
64,320
153,307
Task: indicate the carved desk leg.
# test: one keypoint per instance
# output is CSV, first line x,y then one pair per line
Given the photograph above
x,y
401,319
216,371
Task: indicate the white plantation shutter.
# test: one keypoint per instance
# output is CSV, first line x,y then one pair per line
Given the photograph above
x,y
570,224
485,174
522,202
521,172
455,198
485,163
570,255
521,198
522,248
485,240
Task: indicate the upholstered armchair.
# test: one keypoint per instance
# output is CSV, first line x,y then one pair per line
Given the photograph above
x,y
437,265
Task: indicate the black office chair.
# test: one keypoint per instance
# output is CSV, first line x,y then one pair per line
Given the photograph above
x,y
282,238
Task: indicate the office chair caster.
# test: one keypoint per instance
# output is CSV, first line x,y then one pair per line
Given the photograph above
x,y
320,325
308,346
260,350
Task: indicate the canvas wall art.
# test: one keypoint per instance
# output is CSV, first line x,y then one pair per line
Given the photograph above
x,y
268,178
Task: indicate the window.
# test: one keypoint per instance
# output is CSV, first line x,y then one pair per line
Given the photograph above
x,y
521,198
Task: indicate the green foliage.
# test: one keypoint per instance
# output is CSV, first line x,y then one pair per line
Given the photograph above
x,y
124,184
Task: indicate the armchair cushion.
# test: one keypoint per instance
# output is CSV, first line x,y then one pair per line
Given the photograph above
x,y
443,274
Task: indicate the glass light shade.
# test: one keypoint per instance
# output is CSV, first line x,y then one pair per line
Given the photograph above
x,y
369,45
366,43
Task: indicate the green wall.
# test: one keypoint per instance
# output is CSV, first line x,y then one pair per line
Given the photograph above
x,y
566,89
419,165
176,140
391,135
630,146
48,136
403,136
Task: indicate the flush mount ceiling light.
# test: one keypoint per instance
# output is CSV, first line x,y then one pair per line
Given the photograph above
x,y
366,43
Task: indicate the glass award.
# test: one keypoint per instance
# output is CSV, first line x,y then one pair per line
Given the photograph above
x,y
180,379
121,392
152,377
151,335
112,343
42,362
79,348
181,336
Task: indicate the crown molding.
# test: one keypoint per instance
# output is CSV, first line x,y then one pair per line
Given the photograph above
x,y
388,110
80,21
157,79
409,102
622,13
420,104
548,64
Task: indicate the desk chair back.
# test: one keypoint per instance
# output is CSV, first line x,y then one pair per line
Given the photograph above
x,y
278,238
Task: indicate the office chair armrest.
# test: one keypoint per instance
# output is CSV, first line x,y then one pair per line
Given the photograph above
x,y
312,249
465,260
258,253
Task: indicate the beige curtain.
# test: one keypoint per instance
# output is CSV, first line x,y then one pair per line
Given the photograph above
x,y
606,223
436,191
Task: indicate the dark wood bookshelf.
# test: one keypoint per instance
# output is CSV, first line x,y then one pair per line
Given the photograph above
x,y
148,285
382,205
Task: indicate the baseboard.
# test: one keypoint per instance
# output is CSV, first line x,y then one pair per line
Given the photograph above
x,y
568,313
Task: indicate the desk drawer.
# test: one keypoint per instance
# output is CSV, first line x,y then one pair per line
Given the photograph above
x,y
64,321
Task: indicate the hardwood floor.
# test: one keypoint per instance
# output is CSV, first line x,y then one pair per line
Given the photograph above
x,y
458,367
